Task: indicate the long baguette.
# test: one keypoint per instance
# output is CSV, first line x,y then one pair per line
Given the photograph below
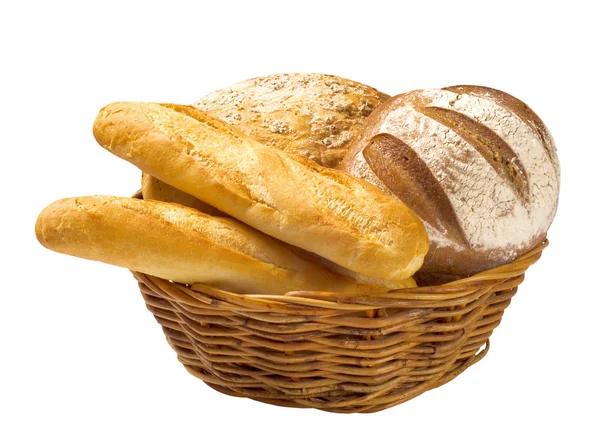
x,y
157,190
324,211
181,244
315,115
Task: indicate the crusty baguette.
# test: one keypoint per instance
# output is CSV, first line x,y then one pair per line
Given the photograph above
x,y
324,211
181,244
157,190
312,114
399,284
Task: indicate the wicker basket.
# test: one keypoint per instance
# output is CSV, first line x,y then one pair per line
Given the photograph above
x,y
333,351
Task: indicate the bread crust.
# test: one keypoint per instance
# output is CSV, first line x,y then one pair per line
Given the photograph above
x,y
181,244
157,190
324,211
312,114
485,152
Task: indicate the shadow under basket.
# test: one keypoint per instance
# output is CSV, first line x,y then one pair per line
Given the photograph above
x,y
333,351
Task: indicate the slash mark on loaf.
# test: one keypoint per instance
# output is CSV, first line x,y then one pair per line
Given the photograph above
x,y
515,106
411,180
490,145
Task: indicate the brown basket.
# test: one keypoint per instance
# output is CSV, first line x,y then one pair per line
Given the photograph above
x,y
334,351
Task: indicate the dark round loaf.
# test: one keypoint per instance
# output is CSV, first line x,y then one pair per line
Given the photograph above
x,y
477,165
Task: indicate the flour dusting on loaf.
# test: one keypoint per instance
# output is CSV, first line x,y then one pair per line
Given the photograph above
x,y
494,159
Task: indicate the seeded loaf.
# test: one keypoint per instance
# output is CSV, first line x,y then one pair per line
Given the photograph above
x,y
312,114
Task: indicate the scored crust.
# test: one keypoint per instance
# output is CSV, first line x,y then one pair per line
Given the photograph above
x,y
490,154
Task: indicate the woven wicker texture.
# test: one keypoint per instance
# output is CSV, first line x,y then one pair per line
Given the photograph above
x,y
334,351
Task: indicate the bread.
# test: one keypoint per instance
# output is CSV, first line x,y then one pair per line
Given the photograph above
x,y
181,244
312,114
324,211
157,190
477,165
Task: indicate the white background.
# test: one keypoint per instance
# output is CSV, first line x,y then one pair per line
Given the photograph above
x,y
80,354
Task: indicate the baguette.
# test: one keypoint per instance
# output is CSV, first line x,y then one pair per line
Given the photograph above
x,y
312,114
324,211
181,244
157,190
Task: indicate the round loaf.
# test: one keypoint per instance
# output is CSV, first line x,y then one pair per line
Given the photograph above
x,y
312,114
477,165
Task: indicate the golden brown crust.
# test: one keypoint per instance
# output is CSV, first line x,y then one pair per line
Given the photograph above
x,y
312,114
322,210
181,244
157,190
